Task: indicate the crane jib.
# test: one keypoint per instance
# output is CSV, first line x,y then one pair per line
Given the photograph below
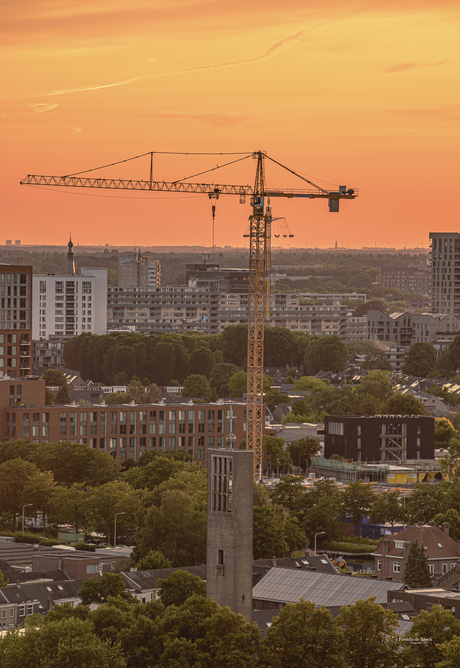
x,y
181,187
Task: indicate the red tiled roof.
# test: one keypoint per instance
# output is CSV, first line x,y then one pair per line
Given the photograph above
x,y
426,535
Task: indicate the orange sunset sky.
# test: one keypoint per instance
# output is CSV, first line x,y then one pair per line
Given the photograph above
x,y
360,93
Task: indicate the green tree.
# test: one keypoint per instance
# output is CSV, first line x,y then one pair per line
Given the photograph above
x,y
70,505
238,384
177,528
404,404
75,463
322,511
162,366
196,385
109,619
416,571
54,377
62,396
444,430
388,507
376,384
449,360
280,347
424,503
21,483
220,375
428,632
309,383
153,560
234,344
289,493
274,397
328,353
376,359
420,360
275,454
151,475
303,635
109,499
303,450
49,397
453,517
179,586
269,537
295,537
118,398
201,633
369,635
357,500
67,642
202,361
450,652
98,590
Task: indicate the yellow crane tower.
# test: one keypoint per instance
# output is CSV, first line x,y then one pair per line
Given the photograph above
x,y
259,252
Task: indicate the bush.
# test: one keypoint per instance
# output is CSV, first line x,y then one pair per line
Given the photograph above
x,y
351,547
89,547
36,539
26,537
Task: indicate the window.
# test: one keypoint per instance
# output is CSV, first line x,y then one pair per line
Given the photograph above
x,y
379,564
396,567
399,544
336,428
431,569
92,568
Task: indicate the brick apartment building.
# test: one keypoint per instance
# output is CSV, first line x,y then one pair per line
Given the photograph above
x,y
15,320
416,279
442,551
125,431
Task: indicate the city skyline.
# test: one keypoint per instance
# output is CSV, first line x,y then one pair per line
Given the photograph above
x,y
342,93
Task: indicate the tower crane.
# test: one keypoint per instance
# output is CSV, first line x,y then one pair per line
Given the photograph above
x,y
259,247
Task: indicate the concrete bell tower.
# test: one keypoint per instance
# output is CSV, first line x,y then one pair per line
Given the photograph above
x,y
229,543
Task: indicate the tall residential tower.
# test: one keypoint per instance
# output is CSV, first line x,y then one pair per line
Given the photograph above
x,y
445,272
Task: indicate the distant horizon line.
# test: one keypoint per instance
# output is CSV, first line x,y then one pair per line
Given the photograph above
x,y
208,249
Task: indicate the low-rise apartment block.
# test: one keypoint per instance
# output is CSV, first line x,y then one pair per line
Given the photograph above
x,y
125,431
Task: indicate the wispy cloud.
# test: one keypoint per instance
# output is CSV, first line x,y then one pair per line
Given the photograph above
x,y
401,67
40,107
273,51
75,131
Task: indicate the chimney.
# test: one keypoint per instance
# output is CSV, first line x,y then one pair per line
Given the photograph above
x,y
385,545
445,527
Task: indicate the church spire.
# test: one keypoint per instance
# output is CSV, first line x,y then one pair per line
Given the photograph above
x,y
70,259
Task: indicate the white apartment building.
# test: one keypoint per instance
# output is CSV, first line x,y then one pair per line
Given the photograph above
x,y
180,309
68,305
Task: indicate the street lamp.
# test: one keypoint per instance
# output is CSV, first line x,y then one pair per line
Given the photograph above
x,y
115,529
26,506
318,534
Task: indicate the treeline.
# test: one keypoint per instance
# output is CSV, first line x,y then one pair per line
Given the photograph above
x,y
164,357
184,628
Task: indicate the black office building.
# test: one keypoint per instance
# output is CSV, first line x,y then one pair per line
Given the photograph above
x,y
380,438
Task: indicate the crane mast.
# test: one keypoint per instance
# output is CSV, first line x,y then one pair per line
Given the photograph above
x,y
256,318
259,258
